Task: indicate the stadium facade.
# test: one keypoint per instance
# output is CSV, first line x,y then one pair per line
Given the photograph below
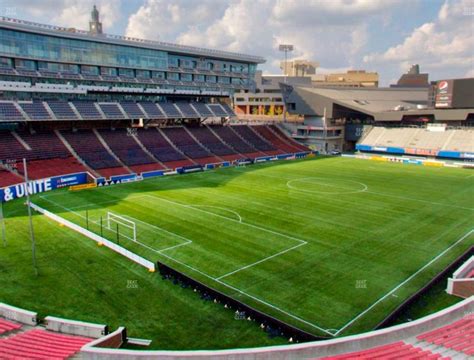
x,y
37,53
338,118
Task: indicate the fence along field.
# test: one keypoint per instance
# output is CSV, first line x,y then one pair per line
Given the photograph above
x,y
329,245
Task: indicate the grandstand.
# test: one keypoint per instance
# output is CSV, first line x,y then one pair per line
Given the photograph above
x,y
419,141
282,245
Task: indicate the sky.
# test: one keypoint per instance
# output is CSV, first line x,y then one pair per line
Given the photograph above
x,y
386,36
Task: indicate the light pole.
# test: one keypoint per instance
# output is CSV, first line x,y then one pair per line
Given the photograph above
x,y
286,48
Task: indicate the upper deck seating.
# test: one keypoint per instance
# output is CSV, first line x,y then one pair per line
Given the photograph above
x,y
217,110
62,110
187,110
170,110
35,110
87,110
152,110
202,109
111,111
132,110
9,112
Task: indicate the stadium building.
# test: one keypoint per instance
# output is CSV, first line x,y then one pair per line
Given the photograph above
x,y
144,228
338,118
69,87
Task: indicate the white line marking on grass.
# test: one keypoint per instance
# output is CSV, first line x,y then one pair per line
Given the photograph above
x,y
261,261
404,282
420,200
288,184
218,207
225,217
248,295
187,241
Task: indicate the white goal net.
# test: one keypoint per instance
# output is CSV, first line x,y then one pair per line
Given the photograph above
x,y
125,227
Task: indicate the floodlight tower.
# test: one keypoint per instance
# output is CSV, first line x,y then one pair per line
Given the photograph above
x,y
286,48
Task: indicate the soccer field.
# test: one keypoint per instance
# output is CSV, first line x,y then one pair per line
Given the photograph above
x,y
330,245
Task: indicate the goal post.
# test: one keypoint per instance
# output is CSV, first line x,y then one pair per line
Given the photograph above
x,y
114,219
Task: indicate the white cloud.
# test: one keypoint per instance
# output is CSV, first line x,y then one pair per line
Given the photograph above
x,y
333,32
444,47
68,13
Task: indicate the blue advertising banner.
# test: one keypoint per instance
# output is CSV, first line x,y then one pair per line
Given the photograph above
x,y
118,179
39,186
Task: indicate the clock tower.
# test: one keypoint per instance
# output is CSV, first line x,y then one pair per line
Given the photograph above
x,y
95,26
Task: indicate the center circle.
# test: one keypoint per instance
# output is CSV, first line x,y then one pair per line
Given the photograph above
x,y
319,185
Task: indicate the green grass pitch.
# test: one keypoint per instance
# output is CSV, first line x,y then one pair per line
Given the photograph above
x,y
327,244
330,245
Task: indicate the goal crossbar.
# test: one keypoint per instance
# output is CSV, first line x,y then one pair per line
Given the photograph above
x,y
122,221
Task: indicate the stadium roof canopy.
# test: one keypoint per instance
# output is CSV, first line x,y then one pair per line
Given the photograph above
x,y
381,104
72,33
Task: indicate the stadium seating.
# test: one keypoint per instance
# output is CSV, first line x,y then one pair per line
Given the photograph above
x,y
420,139
458,336
186,144
202,109
111,111
40,344
217,110
62,110
170,110
161,149
173,147
212,143
9,178
9,112
398,350
289,140
234,141
276,141
35,110
153,111
7,326
86,144
87,110
187,110
128,150
47,156
251,137
132,110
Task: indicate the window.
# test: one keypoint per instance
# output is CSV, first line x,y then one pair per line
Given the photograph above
x,y
211,78
143,74
199,78
186,77
158,74
172,76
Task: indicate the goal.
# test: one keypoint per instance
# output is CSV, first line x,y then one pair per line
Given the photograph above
x,y
127,228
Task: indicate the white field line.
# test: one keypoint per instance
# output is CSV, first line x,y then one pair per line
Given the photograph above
x,y
230,219
250,296
261,261
371,192
302,242
187,241
404,282
420,200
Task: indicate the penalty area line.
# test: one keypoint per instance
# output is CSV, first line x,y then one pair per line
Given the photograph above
x,y
261,261
391,292
250,296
